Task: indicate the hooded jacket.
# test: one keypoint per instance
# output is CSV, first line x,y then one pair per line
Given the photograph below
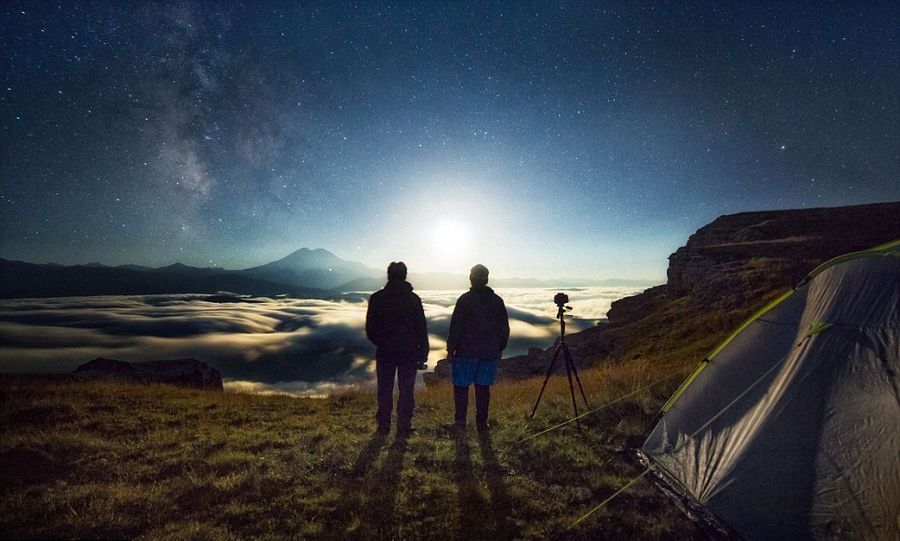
x,y
395,323
479,327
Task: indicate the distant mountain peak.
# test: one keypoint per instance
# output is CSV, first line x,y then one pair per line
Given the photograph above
x,y
313,251
311,257
175,266
314,267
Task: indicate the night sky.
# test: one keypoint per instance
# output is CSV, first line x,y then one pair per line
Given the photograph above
x,y
547,139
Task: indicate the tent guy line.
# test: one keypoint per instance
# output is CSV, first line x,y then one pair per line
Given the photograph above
x,y
598,408
610,497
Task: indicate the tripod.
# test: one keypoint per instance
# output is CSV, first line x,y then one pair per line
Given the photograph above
x,y
563,348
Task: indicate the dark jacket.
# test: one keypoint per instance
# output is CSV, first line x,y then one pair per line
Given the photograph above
x,y
479,327
395,323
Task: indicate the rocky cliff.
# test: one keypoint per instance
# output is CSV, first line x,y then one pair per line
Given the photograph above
x,y
726,270
761,250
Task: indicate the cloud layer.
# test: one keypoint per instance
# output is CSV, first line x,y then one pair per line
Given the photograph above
x,y
296,346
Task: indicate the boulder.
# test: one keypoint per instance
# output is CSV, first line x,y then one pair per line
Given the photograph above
x,y
189,373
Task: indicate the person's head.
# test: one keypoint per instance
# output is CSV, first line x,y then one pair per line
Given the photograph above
x,y
396,270
478,276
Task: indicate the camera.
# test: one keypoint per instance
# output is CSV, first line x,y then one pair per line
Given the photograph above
x,y
561,299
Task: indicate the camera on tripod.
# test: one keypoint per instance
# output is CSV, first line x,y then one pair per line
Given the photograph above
x,y
562,350
561,299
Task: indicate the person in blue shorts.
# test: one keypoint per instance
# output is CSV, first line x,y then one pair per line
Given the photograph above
x,y
479,331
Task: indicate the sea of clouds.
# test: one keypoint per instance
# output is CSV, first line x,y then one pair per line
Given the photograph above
x,y
264,345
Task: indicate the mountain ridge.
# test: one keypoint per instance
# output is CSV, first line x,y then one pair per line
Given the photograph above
x,y
311,272
31,280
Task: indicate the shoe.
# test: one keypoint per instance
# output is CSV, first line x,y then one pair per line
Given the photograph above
x,y
483,428
383,430
405,433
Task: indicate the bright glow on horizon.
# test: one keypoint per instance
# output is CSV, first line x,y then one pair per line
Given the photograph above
x,y
450,240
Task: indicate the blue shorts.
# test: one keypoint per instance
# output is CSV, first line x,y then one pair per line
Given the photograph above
x,y
465,371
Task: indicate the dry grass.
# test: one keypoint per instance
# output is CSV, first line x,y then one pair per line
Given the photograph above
x,y
110,460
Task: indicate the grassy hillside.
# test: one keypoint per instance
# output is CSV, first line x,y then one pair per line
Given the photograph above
x,y
114,460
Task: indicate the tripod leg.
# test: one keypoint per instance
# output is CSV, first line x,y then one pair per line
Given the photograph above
x,y
546,378
577,379
569,367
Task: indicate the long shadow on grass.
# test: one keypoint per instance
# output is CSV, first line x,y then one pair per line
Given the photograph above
x,y
368,504
501,506
379,513
368,455
471,505
353,488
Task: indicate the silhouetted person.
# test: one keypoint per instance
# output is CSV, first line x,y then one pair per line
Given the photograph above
x,y
395,323
479,331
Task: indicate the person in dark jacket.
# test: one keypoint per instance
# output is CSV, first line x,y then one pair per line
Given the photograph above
x,y
479,331
395,323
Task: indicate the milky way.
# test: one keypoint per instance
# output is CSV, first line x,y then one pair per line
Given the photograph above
x,y
574,139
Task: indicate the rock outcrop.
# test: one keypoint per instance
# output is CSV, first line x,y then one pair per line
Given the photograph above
x,y
181,372
726,271
764,249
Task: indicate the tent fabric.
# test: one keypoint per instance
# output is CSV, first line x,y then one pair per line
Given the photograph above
x,y
792,429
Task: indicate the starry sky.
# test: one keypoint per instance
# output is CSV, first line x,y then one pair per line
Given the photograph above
x,y
543,139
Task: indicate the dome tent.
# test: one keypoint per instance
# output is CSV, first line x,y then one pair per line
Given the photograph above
x,y
790,429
